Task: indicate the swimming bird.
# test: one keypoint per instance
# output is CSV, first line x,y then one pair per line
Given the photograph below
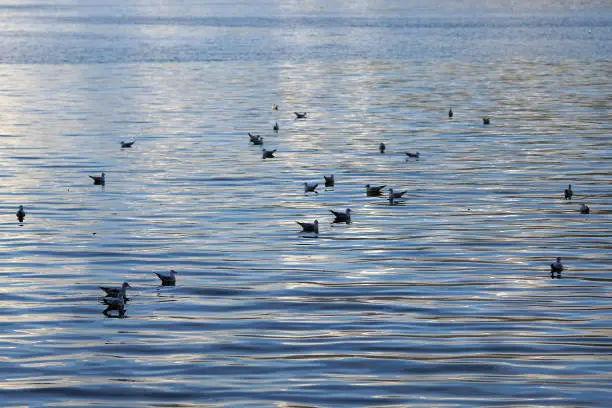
x,y
116,291
413,155
275,127
310,187
169,279
98,179
268,154
253,138
584,209
450,113
486,120
398,194
329,180
127,144
556,267
258,141
342,216
382,147
20,214
568,193
114,303
373,190
309,226
299,115
274,107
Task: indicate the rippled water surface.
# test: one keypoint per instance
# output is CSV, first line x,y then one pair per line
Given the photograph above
x,y
444,299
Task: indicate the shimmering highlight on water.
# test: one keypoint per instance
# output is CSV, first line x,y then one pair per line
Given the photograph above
x,y
443,300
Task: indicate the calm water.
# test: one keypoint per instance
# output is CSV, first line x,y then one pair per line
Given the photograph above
x,y
443,300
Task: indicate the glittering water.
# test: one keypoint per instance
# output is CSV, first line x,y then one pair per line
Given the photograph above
x,y
442,300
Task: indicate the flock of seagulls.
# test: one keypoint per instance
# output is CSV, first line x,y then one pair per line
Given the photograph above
x,y
116,297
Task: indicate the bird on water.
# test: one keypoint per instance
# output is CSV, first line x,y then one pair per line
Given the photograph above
x,y
568,193
309,226
342,216
167,279
100,180
20,214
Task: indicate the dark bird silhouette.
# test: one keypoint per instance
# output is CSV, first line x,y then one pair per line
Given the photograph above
x,y
100,180
20,214
127,144
310,187
275,127
329,180
413,155
568,193
486,120
258,141
342,216
309,226
116,291
253,138
268,154
299,115
450,113
373,190
584,209
556,267
169,279
382,147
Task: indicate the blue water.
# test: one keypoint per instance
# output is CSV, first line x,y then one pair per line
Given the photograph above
x,y
442,300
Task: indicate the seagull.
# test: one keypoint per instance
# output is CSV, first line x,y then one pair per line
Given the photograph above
x,y
450,113
258,141
486,120
20,213
310,187
116,291
556,267
342,216
98,179
584,209
299,115
382,147
393,196
253,138
329,180
398,194
274,107
373,190
167,280
268,154
275,127
413,155
309,226
568,193
114,303
127,144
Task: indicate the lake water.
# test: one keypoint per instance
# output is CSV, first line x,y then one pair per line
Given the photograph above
x,y
443,300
